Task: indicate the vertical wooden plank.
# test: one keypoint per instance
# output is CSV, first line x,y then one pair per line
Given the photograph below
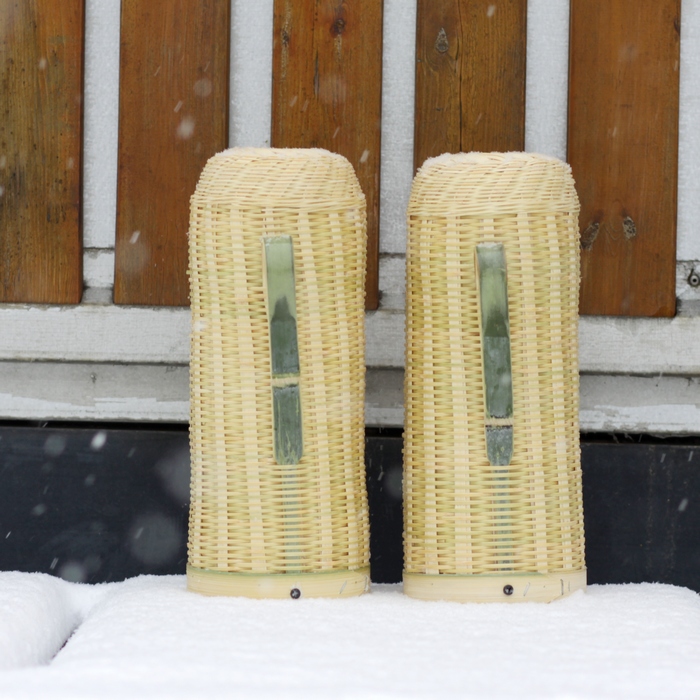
x,y
623,149
41,82
470,76
326,92
173,115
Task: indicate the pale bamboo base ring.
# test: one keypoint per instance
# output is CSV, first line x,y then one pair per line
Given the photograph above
x,y
496,588
332,584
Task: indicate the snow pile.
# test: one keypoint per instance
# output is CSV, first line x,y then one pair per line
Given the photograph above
x,y
149,637
37,615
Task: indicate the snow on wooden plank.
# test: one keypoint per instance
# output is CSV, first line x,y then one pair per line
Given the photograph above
x,y
621,345
150,393
95,333
173,117
656,405
41,74
392,282
160,393
386,339
607,345
398,97
77,391
547,77
98,267
105,333
100,123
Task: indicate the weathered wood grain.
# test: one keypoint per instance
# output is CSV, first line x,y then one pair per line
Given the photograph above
x,y
470,77
623,149
326,92
173,115
41,82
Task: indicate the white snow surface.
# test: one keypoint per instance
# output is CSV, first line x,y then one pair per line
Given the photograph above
x,y
150,638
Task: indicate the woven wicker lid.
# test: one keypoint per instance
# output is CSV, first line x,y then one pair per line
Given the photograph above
x,y
306,178
473,184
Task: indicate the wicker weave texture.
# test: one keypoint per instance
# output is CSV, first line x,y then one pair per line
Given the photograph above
x,y
249,514
462,515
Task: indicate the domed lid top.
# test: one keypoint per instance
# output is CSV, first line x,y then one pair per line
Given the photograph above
x,y
483,184
281,177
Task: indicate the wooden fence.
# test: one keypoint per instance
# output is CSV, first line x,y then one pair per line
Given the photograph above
x,y
327,78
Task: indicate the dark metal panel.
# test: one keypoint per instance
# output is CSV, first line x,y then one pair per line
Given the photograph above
x,y
384,459
93,505
642,513
96,505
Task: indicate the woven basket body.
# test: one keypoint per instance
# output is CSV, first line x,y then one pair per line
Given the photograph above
x,y
475,530
258,527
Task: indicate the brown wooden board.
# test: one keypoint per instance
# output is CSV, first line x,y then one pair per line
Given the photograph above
x,y
326,78
623,149
41,83
173,116
470,77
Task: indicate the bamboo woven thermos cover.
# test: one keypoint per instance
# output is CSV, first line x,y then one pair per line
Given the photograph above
x,y
492,478
277,271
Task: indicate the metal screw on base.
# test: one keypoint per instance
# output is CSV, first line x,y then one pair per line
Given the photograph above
x,y
508,589
295,593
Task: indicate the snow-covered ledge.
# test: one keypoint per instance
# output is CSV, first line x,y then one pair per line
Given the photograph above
x,y
103,362
76,391
607,345
106,333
